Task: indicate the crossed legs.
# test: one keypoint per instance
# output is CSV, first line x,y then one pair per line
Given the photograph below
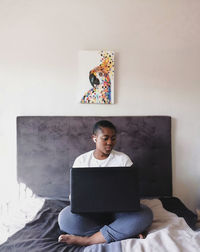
x,y
100,228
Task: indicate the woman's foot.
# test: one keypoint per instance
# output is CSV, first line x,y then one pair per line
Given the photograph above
x,y
89,240
73,239
142,235
82,240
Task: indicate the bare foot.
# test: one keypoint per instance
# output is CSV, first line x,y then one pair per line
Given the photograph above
x,y
73,239
142,235
82,240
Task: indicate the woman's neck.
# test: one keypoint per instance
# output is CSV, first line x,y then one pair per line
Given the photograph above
x,y
100,155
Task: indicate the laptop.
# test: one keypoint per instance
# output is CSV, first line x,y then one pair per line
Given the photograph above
x,y
104,190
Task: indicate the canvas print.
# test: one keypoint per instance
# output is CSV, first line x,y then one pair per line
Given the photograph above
x,y
96,70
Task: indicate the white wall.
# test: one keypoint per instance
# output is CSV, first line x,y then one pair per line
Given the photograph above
x,y
157,46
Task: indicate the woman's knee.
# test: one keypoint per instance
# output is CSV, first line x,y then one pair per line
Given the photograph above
x,y
146,215
130,224
63,217
142,221
69,222
76,224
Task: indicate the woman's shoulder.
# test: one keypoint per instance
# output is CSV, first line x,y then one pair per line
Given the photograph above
x,y
82,159
85,155
119,154
122,158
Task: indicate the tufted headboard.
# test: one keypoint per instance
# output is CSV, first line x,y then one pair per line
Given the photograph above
x,y
48,145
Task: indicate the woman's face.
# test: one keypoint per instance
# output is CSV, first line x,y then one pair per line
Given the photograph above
x,y
105,140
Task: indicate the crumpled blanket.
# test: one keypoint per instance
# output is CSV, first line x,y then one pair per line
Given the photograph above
x,y
168,232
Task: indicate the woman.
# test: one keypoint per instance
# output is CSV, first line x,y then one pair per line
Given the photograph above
x,y
88,229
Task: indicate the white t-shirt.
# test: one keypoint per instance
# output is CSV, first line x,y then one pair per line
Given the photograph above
x,y
115,158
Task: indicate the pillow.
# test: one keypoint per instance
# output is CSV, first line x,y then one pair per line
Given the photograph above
x,y
176,206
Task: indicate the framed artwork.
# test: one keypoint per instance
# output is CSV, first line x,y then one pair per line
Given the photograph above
x,y
96,77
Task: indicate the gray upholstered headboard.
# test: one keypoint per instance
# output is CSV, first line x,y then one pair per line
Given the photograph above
x,y
48,145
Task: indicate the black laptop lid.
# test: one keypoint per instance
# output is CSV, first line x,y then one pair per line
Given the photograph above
x,y
109,189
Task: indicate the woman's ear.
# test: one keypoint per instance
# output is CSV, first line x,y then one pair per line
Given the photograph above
x,y
94,138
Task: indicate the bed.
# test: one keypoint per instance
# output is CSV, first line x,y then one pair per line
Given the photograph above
x,y
46,149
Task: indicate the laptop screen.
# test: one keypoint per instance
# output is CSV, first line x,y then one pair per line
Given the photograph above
x,y
105,189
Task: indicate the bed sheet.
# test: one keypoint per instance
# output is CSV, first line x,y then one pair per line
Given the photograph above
x,y
17,211
167,233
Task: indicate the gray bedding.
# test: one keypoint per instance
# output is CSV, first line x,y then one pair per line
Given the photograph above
x,y
41,234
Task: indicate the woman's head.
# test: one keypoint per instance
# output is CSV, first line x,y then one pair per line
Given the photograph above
x,y
104,135
103,124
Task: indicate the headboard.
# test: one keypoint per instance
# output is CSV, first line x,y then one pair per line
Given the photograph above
x,y
48,145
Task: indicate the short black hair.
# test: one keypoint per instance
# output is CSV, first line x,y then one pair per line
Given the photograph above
x,y
103,124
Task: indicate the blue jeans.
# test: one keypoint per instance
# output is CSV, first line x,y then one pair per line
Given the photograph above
x,y
114,227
